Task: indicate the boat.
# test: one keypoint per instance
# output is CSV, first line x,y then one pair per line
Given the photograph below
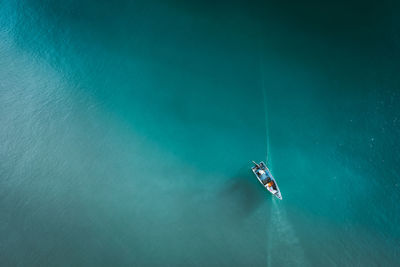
x,y
264,175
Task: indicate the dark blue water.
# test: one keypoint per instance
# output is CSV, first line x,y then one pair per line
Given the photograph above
x,y
128,130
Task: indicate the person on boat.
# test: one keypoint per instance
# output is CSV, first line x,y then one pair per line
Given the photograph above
x,y
272,185
266,181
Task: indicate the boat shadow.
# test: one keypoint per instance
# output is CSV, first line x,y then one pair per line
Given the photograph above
x,y
242,195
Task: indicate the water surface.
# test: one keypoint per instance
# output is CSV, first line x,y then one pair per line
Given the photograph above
x,y
128,129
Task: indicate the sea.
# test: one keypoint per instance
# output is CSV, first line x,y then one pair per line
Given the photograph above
x,y
128,130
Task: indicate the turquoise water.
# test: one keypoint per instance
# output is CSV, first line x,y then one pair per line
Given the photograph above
x,y
128,129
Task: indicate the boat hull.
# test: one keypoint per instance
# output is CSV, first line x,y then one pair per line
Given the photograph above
x,y
265,177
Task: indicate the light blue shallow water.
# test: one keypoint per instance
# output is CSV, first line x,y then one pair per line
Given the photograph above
x,y
127,132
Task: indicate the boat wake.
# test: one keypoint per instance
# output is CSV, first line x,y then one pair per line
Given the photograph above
x,y
284,248
263,90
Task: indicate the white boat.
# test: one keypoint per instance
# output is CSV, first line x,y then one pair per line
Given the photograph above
x,y
264,175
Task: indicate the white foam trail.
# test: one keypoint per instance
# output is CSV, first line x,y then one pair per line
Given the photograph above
x,y
263,90
283,244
